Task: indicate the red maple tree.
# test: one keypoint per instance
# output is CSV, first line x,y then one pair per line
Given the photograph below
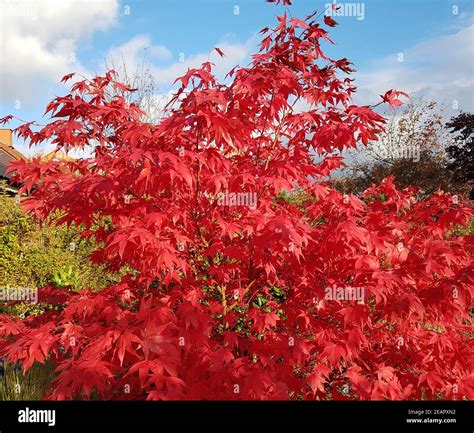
x,y
232,290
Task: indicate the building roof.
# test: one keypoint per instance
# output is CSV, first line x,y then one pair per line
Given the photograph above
x,y
7,152
56,155
5,160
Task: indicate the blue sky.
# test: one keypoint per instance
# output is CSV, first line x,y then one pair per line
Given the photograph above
x,y
192,26
39,45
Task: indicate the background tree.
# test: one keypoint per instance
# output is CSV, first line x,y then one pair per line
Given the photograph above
x,y
461,153
411,149
146,94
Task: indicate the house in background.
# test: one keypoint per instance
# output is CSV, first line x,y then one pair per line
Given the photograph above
x,y
8,154
56,155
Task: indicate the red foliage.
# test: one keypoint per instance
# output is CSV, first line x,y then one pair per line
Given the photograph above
x,y
391,97
238,297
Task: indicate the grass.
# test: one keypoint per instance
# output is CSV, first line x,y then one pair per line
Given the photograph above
x,y
14,385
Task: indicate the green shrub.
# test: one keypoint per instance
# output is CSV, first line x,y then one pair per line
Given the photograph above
x,y
35,256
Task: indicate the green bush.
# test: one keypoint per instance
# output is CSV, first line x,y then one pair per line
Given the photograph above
x,y
35,256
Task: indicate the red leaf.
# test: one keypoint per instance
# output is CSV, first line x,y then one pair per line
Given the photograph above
x,y
329,21
67,77
219,51
391,97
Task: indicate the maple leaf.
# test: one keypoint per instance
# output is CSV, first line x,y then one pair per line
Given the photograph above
x,y
329,21
285,2
433,380
123,87
67,77
220,52
220,358
319,378
124,344
6,119
391,97
9,326
385,373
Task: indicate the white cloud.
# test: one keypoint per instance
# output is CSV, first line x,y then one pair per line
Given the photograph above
x,y
440,68
234,54
133,51
38,41
141,47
